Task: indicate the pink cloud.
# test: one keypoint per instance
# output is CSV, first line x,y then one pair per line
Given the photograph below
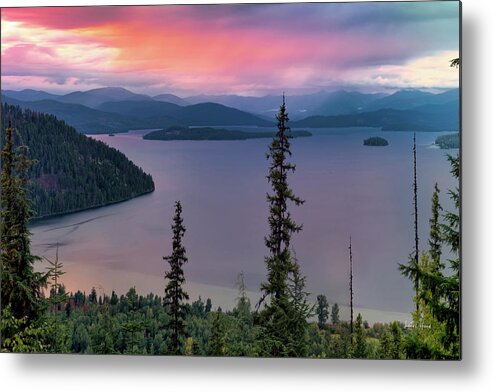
x,y
206,48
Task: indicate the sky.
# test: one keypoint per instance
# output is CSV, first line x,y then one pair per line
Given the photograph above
x,y
253,49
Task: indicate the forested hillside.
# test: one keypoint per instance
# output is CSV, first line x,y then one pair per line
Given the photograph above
x,y
71,171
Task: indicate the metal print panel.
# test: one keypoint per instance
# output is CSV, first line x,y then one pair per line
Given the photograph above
x,y
262,180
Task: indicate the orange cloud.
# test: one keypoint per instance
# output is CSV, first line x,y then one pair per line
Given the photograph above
x,y
241,49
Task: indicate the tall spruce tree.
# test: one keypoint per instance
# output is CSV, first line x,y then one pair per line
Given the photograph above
x,y
275,315
445,301
20,284
412,267
435,241
174,294
448,310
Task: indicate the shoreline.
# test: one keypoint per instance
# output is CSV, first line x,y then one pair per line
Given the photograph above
x,y
81,277
42,219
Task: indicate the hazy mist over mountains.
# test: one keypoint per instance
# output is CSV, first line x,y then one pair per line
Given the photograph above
x,y
115,109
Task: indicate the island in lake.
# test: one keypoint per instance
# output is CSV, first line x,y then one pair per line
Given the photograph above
x,y
207,133
376,141
446,142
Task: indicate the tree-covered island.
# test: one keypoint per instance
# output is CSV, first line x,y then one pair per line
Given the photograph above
x,y
375,141
208,133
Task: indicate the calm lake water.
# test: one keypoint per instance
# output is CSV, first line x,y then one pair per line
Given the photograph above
x,y
350,189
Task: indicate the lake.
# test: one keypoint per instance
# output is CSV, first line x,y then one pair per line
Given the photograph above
x,y
350,189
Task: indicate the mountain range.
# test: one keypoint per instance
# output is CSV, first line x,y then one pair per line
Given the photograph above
x,y
115,109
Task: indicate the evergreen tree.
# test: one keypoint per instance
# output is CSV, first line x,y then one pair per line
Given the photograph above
x,y
57,293
174,294
275,315
93,296
385,346
440,293
198,309
411,269
322,310
216,346
300,311
425,339
242,301
391,343
240,333
435,241
20,284
334,315
359,347
445,303
208,306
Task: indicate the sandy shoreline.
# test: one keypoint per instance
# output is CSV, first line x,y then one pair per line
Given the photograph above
x,y
82,277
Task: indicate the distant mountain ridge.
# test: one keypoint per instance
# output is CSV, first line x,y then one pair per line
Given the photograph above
x,y
127,115
115,109
93,98
82,118
426,118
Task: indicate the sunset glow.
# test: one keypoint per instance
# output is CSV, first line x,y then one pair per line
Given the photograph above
x,y
242,49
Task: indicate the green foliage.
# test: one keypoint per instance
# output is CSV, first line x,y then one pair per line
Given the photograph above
x,y
319,342
21,285
174,293
217,346
439,292
132,325
392,343
300,310
359,347
455,63
435,241
58,295
23,335
72,171
341,345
